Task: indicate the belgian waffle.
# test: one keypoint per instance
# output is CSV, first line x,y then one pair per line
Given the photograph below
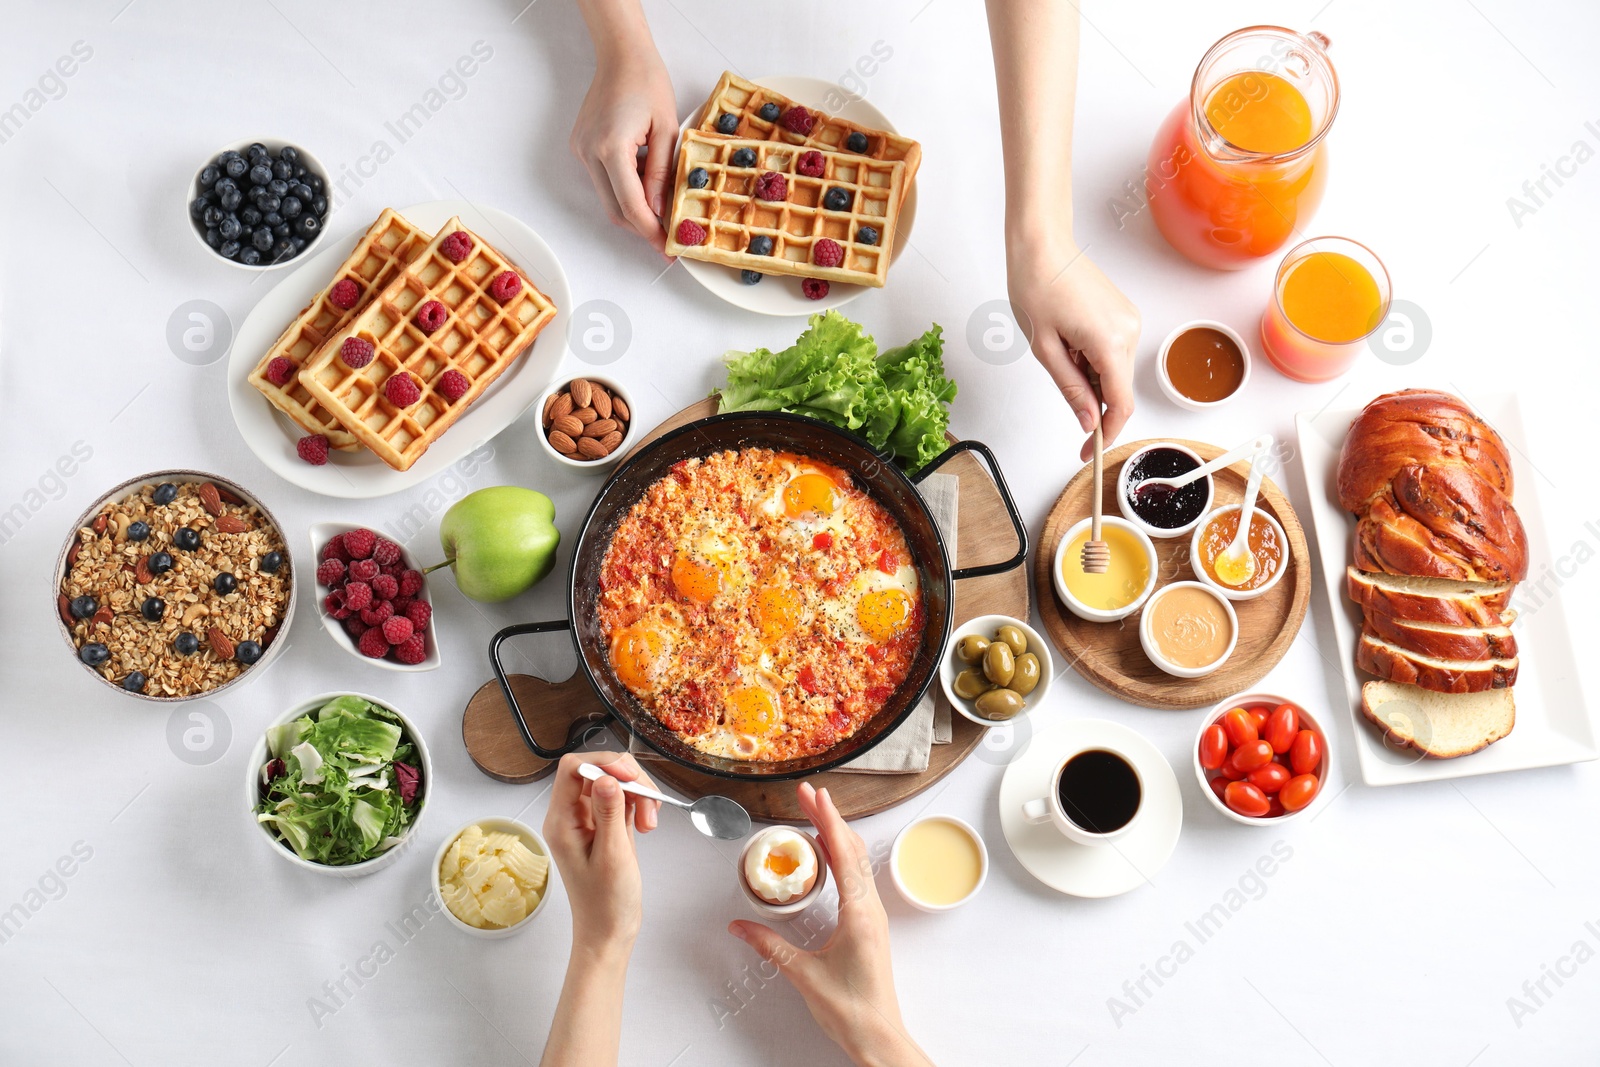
x,y
479,337
735,96
382,253
732,214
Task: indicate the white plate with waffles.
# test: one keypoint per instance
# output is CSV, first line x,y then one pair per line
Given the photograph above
x,y
359,473
778,294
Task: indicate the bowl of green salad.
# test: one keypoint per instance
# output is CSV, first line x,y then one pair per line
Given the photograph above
x,y
338,784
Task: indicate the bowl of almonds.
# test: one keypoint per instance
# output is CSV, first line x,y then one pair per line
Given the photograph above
x,y
584,423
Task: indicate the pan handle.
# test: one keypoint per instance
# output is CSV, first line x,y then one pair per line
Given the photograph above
x,y
981,449
582,729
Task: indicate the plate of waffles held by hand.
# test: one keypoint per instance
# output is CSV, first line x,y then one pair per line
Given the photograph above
x,y
790,195
397,350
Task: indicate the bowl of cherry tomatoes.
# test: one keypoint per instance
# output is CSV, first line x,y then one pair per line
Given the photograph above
x,y
1261,758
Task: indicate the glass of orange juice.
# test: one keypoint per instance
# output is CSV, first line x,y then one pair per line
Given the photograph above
x,y
1330,295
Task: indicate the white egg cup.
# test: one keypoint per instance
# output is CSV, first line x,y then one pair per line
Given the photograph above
x,y
766,908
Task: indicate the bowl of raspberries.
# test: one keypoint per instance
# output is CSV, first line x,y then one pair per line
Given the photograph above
x,y
374,598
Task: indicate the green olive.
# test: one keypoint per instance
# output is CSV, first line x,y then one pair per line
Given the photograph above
x,y
1014,637
970,649
1027,675
998,704
970,684
999,664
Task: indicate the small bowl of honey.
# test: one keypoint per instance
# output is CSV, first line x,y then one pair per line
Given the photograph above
x,y
1203,364
1127,582
1267,544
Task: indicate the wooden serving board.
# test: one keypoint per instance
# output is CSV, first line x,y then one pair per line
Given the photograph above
x,y
1109,655
984,535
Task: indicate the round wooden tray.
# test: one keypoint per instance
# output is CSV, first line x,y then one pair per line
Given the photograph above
x,y
497,748
1108,654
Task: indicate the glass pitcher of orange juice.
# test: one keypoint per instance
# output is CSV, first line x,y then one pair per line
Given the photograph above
x,y
1239,167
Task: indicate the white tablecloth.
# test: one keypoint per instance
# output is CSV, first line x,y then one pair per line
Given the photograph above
x,y
1403,921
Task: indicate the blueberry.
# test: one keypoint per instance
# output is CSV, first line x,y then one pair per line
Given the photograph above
x,y
250,216
727,123
226,157
856,142
247,652
198,207
94,654
83,606
299,244
262,239
770,112
289,154
186,538
272,218
229,249
271,562
153,608
867,235
744,157
209,175
269,203
308,225
185,644
283,170
281,248
698,178
290,208
760,245
224,583
229,227
315,181
836,200
300,171
278,187
159,563
224,185
138,531
257,151
319,204
230,201
165,493
213,237
237,167
260,174
282,232
212,216
249,256
134,682
750,277
303,191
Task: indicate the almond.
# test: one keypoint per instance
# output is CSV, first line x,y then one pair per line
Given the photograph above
x,y
549,408
610,441
64,606
193,612
210,498
589,448
72,553
619,409
569,425
585,415
141,573
562,443
221,643
599,428
267,635
582,391
233,524
563,406
101,617
601,402
228,495
99,523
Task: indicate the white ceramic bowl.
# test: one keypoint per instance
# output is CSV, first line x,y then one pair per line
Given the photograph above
x,y
252,788
1158,532
899,883
531,838
321,534
986,625
793,907
273,144
1324,770
1237,594
588,466
179,477
1166,380
1147,639
1084,611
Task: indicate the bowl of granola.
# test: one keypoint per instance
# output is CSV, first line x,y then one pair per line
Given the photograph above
x,y
174,585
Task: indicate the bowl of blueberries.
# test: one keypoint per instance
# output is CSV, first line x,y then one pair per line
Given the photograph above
x,y
260,204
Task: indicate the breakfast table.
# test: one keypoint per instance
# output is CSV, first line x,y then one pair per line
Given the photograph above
x,y
1449,922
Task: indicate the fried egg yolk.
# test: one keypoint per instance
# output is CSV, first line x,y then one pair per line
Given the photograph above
x,y
884,614
695,580
751,710
809,494
777,610
635,654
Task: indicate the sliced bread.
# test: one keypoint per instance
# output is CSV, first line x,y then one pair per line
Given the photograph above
x,y
1395,664
1434,600
1441,725
1447,642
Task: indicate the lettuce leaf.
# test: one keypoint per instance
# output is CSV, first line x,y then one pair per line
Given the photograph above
x,y
914,375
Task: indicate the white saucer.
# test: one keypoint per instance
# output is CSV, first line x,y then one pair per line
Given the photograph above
x,y
359,475
1104,870
779,294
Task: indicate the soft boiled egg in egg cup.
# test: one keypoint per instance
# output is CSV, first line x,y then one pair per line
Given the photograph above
x,y
781,871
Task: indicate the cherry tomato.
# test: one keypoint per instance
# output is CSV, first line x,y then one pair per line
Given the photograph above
x,y
1300,791
1240,726
1269,778
1305,755
1247,758
1230,772
1282,725
1259,717
1213,747
1219,786
1275,807
1246,799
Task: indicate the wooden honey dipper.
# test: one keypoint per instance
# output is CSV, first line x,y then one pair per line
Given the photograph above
x,y
1096,553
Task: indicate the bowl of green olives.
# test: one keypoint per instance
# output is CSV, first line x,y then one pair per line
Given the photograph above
x,y
996,669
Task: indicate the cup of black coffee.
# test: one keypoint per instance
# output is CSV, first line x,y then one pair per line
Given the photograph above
x,y
1096,794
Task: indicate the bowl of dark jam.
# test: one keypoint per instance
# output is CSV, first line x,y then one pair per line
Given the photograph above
x,y
1158,510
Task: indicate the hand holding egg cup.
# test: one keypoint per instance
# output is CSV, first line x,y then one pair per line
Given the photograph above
x,y
1296,758
958,673
782,871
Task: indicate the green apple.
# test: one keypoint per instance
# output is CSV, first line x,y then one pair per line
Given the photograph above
x,y
499,541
